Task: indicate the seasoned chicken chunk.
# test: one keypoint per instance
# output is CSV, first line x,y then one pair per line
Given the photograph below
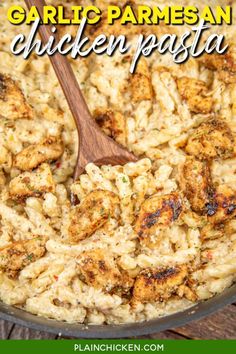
x,y
210,140
196,94
2,179
49,149
93,212
195,182
158,284
187,292
15,257
157,212
224,64
222,207
33,183
212,231
113,124
99,270
12,101
141,83
5,158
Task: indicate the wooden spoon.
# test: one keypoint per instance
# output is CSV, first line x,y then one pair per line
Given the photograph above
x,y
94,145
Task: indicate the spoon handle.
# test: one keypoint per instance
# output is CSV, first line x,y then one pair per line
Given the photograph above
x,y
65,76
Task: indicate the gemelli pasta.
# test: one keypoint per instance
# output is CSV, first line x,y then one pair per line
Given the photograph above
x,y
146,239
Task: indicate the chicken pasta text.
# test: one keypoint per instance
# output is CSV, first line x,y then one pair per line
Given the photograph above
x,y
146,239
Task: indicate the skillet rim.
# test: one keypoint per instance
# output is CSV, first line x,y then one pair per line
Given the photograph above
x,y
201,310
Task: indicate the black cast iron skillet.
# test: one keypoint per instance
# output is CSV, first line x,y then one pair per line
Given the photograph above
x,y
205,308
118,331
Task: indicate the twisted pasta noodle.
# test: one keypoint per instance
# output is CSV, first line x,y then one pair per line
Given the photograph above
x,y
153,114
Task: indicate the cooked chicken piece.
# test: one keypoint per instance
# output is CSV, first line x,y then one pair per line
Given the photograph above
x,y
49,149
91,214
229,226
15,257
99,270
211,231
220,229
195,182
196,93
2,179
12,101
33,183
222,207
113,124
210,140
158,284
141,83
187,292
225,64
5,158
157,212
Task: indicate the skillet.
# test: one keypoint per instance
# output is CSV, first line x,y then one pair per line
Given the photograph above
x,y
194,313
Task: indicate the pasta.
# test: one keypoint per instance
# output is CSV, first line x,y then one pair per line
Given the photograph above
x,y
146,239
